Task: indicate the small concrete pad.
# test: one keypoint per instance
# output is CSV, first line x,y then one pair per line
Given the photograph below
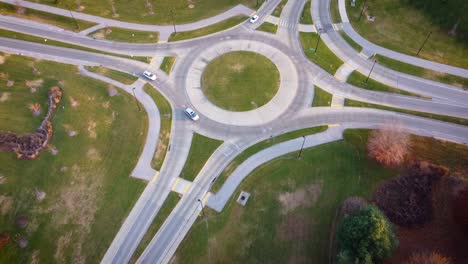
x,y
243,198
343,72
181,186
272,19
307,28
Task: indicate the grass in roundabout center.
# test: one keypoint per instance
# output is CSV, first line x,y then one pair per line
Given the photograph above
x,y
88,188
240,81
290,214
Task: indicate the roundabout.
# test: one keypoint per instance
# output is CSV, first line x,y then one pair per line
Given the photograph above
x,y
245,105
240,81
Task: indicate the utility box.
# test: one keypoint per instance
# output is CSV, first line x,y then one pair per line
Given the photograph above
x,y
243,198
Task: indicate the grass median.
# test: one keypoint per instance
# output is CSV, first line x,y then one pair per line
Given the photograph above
x,y
358,79
200,151
125,35
166,209
83,164
279,8
167,64
450,119
223,25
268,27
119,76
306,17
165,111
421,72
321,97
20,36
259,147
350,41
319,54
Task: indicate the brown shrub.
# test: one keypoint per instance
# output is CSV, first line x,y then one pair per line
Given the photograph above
x,y
460,212
4,239
389,146
427,258
407,200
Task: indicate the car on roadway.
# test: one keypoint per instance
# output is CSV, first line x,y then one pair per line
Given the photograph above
x,y
149,75
190,113
254,19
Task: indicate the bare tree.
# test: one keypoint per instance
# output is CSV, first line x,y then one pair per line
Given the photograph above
x,y
389,146
427,258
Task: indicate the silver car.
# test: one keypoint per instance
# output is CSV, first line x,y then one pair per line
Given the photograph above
x,y
190,113
149,75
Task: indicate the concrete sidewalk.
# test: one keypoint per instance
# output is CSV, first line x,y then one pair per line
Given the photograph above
x,y
219,200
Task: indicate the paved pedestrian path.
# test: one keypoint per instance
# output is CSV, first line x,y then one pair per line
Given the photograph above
x,y
219,200
343,72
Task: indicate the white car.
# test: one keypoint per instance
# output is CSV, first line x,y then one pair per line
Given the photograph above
x,y
190,113
254,19
149,75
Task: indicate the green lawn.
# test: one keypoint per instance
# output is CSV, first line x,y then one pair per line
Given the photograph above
x,y
324,57
279,8
88,189
334,11
259,147
44,17
306,17
126,35
162,12
119,76
220,26
269,231
403,28
166,209
200,151
240,81
359,80
321,97
20,36
456,120
421,72
351,42
268,27
165,111
167,64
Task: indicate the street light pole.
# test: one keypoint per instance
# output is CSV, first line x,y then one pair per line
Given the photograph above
x,y
134,95
371,70
302,147
362,10
203,211
173,21
73,17
430,32
318,40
